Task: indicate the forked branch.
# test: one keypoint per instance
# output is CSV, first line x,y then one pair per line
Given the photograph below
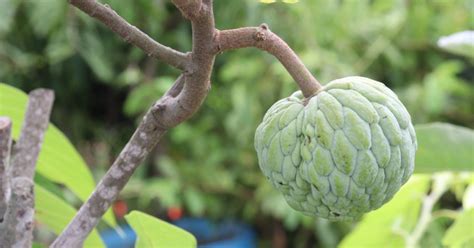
x,y
177,105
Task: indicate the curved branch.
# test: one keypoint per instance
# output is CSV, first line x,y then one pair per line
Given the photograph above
x,y
131,34
197,80
264,39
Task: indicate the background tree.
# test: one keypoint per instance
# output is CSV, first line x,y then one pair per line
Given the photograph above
x,y
47,45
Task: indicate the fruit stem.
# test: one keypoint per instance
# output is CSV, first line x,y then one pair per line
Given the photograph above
x,y
263,38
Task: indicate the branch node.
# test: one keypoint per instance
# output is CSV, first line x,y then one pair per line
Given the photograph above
x,y
260,36
160,107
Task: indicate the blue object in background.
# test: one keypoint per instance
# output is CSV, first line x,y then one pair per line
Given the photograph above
x,y
126,238
226,234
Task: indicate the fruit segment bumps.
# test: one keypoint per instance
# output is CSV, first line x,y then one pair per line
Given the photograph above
x,y
341,153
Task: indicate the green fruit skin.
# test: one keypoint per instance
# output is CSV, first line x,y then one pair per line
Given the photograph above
x,y
341,153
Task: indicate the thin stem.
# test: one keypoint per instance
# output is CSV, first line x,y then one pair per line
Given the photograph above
x,y
447,213
440,185
264,39
131,34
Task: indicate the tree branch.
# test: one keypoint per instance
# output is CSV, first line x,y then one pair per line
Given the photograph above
x,y
27,149
197,80
17,229
180,102
141,143
132,34
5,145
264,39
18,232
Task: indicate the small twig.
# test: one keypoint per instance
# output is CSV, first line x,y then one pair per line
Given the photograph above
x,y
16,230
5,145
447,213
264,39
132,34
440,185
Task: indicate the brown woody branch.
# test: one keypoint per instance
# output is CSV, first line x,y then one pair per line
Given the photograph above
x,y
28,147
17,229
130,33
177,105
5,146
141,143
264,39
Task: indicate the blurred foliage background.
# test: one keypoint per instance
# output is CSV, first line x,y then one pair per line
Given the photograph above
x,y
207,166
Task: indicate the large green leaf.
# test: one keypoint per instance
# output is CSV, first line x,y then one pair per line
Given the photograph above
x,y
444,147
58,161
462,231
55,214
152,232
382,227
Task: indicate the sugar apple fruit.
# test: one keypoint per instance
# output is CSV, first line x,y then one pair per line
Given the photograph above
x,y
340,153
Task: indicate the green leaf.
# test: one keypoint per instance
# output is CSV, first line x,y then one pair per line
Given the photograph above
x,y
460,43
444,147
94,52
153,232
37,245
55,213
58,161
45,15
462,231
7,15
382,227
